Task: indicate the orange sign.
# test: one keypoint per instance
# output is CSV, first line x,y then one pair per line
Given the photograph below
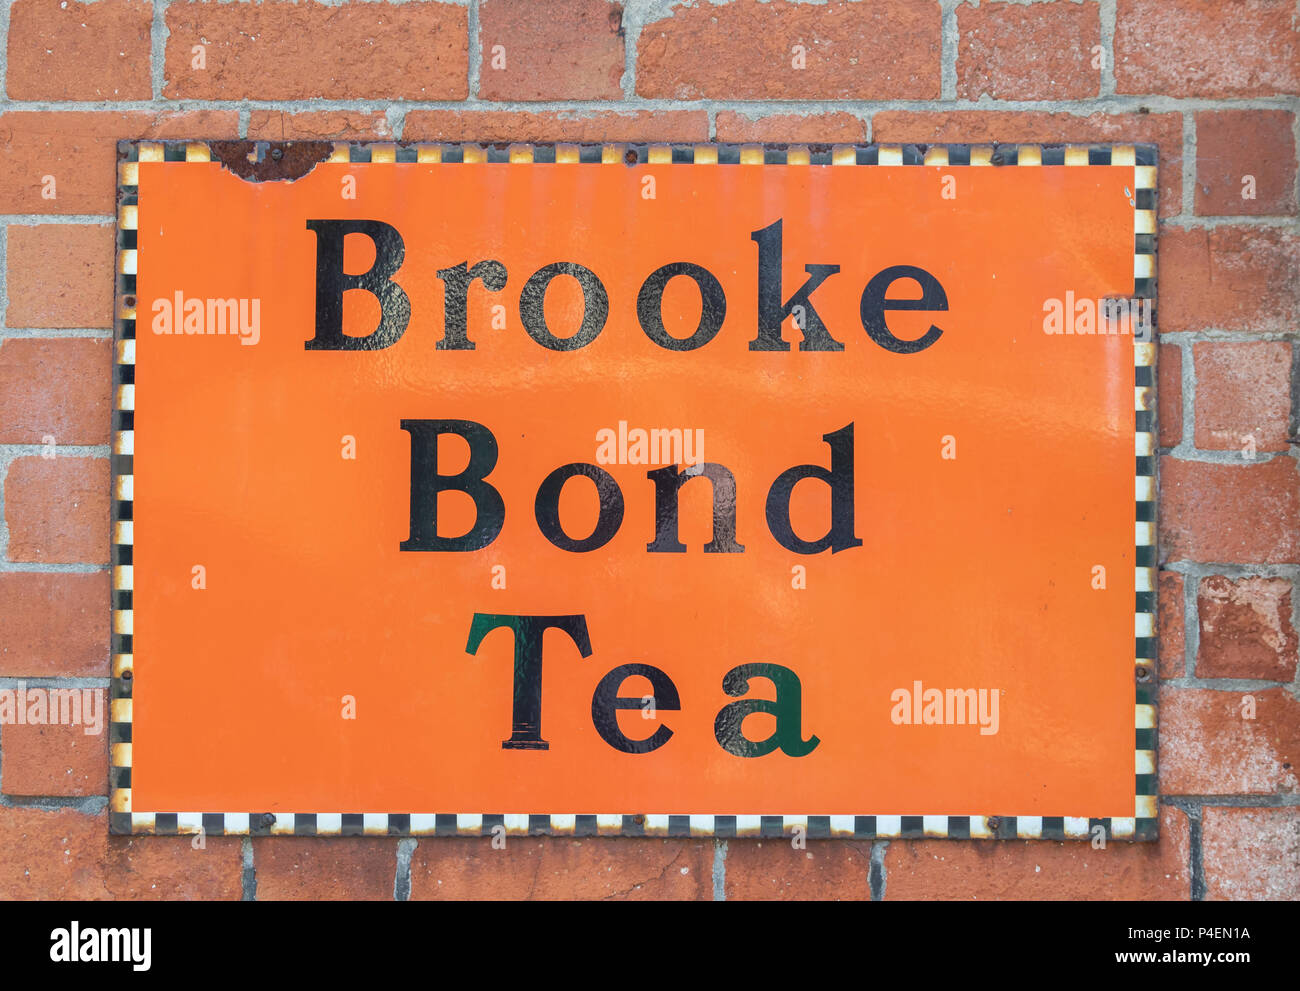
x,y
636,490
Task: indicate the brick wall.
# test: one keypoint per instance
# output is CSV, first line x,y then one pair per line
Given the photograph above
x,y
1212,82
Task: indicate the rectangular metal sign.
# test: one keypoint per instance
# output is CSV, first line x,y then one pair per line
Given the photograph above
x,y
693,490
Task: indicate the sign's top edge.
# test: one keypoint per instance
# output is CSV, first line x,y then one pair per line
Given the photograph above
x,y
291,159
264,160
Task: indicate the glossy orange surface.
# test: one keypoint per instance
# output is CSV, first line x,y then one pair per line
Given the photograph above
x,y
973,572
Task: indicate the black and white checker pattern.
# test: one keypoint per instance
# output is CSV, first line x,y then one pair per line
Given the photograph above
x,y
1143,825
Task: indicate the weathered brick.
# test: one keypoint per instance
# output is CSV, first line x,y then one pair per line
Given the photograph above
x,y
58,758
60,275
290,51
1172,637
172,868
494,126
1243,396
65,854
987,870
1169,366
1246,629
318,125
309,868
1248,513
833,128
828,870
47,855
1017,127
1206,48
54,624
58,387
80,150
1208,746
546,869
536,51
1035,52
1251,854
57,510
61,50
888,50
1229,278
1234,144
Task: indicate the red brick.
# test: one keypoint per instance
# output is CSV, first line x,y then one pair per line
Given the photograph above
x,y
833,128
1209,747
1243,396
289,51
80,150
1246,629
1019,127
828,870
57,759
1170,613
568,51
69,855
56,388
60,275
61,50
1251,854
172,868
1247,513
1036,52
888,50
1169,366
1229,278
319,125
548,869
54,624
309,868
986,870
1232,144
497,126
1206,48
57,510
48,855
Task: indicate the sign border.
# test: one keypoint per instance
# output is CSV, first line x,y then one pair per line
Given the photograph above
x,y
267,160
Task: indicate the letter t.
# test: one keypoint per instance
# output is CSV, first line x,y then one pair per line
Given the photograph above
x,y
526,716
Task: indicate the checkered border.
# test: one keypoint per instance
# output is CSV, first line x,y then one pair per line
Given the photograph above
x,y
1143,825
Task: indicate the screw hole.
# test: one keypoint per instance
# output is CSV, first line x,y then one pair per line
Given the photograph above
x,y
129,301
630,157
1143,674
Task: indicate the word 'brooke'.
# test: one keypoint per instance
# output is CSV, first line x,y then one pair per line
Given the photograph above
x,y
395,305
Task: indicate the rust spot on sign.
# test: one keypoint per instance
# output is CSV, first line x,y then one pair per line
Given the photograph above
x,y
270,161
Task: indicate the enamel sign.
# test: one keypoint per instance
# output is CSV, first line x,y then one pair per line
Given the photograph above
x,y
628,490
